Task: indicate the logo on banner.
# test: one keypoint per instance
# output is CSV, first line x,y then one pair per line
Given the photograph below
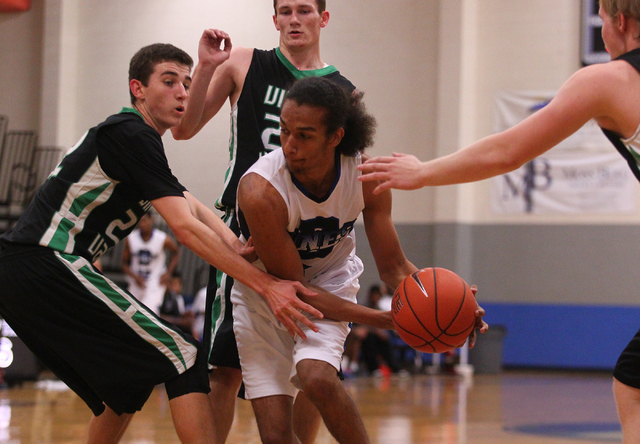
x,y
582,174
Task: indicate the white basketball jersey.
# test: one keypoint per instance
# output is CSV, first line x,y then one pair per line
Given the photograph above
x,y
322,229
148,259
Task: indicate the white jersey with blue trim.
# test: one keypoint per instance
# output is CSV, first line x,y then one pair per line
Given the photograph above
x,y
322,229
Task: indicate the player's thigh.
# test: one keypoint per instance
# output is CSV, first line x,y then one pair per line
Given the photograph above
x,y
265,354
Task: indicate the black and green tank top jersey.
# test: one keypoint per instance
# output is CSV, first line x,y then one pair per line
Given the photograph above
x,y
633,160
255,120
94,198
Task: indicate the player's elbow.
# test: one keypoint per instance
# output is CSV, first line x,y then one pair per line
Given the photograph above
x,y
180,133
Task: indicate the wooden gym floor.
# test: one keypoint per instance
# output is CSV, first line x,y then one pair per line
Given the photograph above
x,y
522,407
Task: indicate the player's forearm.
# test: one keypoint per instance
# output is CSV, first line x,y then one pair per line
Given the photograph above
x,y
489,157
212,221
214,250
339,309
191,121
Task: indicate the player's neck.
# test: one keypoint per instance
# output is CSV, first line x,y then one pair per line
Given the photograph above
x,y
318,183
304,59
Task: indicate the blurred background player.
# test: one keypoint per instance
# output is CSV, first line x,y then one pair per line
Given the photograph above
x,y
144,262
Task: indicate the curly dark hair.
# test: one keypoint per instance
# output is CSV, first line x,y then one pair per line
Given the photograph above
x,y
145,60
343,110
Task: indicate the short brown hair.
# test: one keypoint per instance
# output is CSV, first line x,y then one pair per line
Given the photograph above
x,y
145,60
322,6
628,8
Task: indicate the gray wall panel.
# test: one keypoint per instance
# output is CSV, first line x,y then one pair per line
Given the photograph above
x,y
537,264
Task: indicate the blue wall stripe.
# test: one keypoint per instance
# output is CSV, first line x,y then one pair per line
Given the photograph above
x,y
563,336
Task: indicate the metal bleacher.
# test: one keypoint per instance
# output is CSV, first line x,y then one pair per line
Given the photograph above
x,y
24,166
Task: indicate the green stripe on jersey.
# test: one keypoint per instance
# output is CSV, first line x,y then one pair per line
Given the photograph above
x,y
60,238
86,199
138,317
306,73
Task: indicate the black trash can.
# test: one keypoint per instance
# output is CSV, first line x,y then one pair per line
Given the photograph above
x,y
486,355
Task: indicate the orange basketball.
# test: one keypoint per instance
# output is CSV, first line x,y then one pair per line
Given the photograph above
x,y
433,310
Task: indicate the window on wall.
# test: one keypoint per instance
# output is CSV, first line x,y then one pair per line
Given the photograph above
x,y
592,45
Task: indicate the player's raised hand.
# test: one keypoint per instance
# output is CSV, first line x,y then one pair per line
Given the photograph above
x,y
402,171
285,305
215,46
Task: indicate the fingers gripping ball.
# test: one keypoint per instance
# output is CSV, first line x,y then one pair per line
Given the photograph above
x,y
433,310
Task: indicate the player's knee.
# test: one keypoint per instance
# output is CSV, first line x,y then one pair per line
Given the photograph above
x,y
226,378
271,434
319,384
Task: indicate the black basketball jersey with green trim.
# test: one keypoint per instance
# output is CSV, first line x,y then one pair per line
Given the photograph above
x,y
633,159
96,195
255,118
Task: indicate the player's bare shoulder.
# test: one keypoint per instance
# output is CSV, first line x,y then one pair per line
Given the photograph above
x,y
256,192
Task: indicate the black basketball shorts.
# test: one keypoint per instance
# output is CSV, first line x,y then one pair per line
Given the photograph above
x,y
97,338
219,336
627,369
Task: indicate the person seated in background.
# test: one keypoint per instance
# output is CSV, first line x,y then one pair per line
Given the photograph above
x,y
369,345
174,306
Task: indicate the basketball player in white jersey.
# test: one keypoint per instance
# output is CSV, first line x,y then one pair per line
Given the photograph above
x,y
608,93
299,204
144,262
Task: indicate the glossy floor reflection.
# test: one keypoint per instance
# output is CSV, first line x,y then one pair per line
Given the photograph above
x,y
511,407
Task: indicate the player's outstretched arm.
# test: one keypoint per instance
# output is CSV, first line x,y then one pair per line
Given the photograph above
x,y
586,95
211,247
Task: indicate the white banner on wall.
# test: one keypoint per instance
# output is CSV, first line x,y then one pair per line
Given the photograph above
x,y
583,174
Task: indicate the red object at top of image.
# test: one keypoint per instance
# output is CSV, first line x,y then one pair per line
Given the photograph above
x,y
14,5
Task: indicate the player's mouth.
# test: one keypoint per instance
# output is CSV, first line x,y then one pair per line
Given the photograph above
x,y
180,109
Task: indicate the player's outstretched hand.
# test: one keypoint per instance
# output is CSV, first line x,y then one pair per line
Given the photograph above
x,y
402,171
282,297
480,324
215,46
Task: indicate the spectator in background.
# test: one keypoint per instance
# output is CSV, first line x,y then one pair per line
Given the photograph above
x,y
174,306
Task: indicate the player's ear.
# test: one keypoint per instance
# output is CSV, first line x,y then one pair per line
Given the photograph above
x,y
136,88
325,19
275,22
336,137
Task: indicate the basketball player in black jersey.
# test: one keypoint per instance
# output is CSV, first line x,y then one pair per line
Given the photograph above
x,y
254,81
97,338
608,93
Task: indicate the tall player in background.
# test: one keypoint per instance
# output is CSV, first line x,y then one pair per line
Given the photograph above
x,y
254,81
608,93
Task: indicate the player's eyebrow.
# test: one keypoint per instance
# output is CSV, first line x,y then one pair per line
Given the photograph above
x,y
299,128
